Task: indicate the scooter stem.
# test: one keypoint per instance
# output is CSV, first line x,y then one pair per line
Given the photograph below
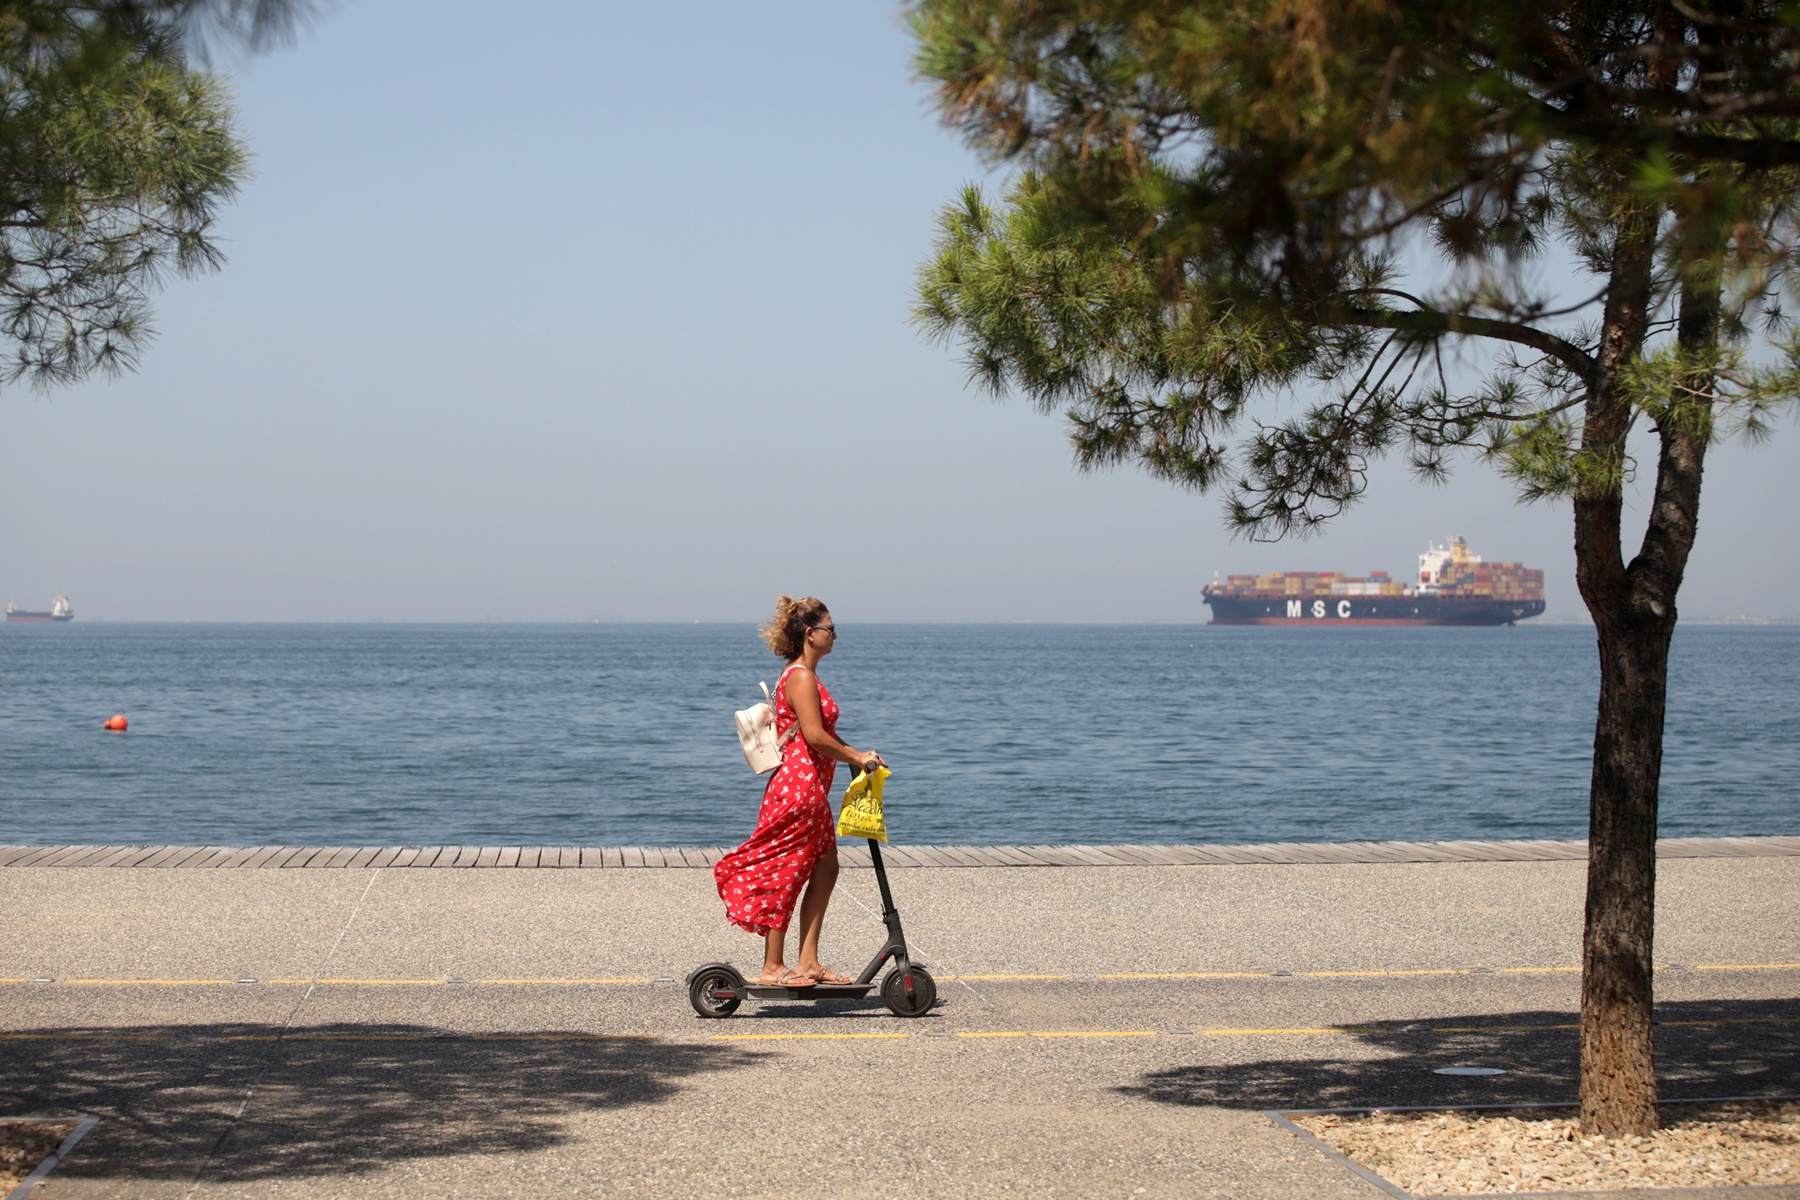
x,y
895,947
887,897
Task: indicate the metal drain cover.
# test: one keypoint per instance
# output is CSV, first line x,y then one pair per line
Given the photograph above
x,y
1468,1071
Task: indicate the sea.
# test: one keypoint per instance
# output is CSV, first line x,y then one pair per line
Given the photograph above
x,y
601,734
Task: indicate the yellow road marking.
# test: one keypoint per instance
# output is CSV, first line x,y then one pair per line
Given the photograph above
x,y
87,1037
432,1037
809,1037
296,982
1191,975
1495,1028
644,979
1059,1033
303,1036
1577,1025
1538,970
560,981
138,982
1437,971
556,1037
324,1037
1735,1021
444,982
368,982
307,1036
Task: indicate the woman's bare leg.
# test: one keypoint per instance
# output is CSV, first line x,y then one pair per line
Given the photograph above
x,y
774,951
812,913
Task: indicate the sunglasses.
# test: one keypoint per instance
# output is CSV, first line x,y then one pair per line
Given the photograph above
x,y
831,629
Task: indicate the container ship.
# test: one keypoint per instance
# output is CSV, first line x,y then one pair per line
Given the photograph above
x,y
60,610
1454,587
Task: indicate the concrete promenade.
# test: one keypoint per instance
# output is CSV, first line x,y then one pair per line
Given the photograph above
x,y
1104,1030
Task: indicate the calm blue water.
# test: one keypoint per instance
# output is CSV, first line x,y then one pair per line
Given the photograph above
x,y
608,735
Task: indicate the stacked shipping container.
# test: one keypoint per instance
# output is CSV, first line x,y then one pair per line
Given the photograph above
x,y
1314,583
1454,587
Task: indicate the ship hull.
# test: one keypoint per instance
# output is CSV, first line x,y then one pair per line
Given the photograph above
x,y
39,617
1369,610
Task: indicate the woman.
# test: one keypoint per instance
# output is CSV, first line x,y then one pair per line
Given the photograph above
x,y
794,840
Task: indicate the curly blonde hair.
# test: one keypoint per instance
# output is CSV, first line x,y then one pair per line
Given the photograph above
x,y
786,630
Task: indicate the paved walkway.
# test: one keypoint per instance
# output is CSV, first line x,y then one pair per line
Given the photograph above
x,y
1104,1031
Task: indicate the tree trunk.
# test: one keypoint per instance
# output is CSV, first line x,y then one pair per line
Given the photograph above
x,y
1618,1062
1634,617
1618,1057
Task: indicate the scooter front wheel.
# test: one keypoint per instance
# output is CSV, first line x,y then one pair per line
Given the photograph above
x,y
904,1003
716,990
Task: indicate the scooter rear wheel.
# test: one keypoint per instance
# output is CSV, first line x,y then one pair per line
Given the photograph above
x,y
903,1004
715,990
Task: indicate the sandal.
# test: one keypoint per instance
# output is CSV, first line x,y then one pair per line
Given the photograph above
x,y
786,979
827,976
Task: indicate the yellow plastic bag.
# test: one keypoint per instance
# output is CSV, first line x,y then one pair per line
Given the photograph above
x,y
861,815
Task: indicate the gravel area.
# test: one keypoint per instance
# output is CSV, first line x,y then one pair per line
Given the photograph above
x,y
1542,1150
25,1144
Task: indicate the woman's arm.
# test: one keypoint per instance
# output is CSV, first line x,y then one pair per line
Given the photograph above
x,y
803,696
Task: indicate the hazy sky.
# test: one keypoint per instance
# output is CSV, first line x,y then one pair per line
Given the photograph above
x,y
567,311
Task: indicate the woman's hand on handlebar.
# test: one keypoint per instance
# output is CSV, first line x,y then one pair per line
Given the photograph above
x,y
870,761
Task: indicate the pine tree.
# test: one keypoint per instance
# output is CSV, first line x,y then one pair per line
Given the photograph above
x,y
116,156
1222,203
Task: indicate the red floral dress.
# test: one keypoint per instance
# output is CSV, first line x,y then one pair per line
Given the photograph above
x,y
760,880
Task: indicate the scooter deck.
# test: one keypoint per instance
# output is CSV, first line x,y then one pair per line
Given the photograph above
x,y
819,991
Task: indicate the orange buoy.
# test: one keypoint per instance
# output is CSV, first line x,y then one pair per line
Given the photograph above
x,y
117,723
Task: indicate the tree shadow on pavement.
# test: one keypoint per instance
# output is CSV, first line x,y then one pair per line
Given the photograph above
x,y
1704,1048
327,1099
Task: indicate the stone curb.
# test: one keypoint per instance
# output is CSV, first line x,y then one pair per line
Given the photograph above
x,y
30,1182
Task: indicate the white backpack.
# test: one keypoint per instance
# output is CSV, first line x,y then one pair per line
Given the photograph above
x,y
756,733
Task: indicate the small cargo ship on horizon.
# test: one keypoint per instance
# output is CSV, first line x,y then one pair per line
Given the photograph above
x,y
1454,587
60,610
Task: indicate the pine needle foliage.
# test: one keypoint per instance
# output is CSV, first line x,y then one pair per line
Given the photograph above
x,y
1219,199
116,157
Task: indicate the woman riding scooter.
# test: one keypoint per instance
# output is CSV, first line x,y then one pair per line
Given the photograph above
x,y
794,844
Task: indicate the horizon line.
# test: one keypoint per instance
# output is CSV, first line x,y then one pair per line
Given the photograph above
x,y
1562,621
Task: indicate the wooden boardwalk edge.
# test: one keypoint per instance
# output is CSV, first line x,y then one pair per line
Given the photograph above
x,y
701,857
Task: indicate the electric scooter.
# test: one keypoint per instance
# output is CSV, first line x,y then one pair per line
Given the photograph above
x,y
716,989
